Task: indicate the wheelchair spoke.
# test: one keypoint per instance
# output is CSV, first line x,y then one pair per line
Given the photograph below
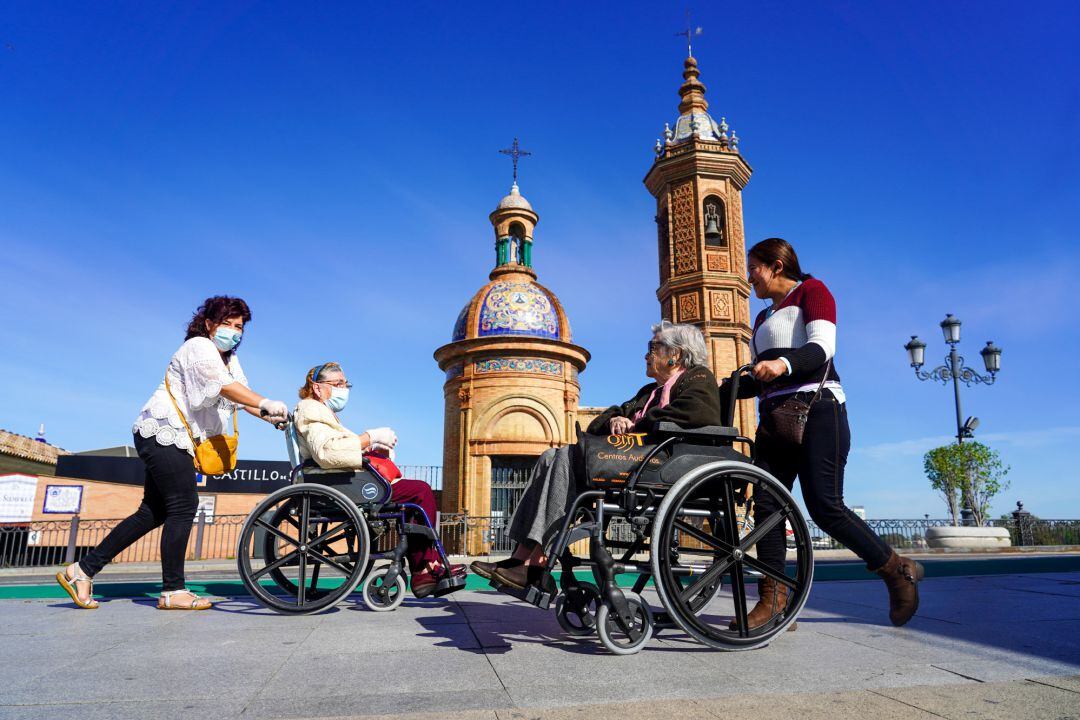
x,y
277,533
705,580
761,530
275,565
326,539
770,572
301,584
738,585
326,560
710,540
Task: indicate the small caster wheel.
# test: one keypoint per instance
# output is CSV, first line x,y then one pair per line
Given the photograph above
x,y
620,640
380,597
576,610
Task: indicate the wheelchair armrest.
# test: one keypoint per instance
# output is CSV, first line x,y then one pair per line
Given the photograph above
x,y
708,432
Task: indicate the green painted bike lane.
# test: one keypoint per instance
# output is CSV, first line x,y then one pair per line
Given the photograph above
x,y
823,572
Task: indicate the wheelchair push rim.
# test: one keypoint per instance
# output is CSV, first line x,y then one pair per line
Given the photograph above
x,y
714,548
315,549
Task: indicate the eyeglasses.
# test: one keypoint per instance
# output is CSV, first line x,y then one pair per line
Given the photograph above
x,y
654,347
336,383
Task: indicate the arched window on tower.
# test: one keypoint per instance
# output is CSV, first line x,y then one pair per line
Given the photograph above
x,y
517,243
715,222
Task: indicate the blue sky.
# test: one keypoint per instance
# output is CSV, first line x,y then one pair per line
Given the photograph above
x,y
334,164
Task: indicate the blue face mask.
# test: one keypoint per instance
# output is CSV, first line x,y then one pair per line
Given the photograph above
x,y
226,338
338,399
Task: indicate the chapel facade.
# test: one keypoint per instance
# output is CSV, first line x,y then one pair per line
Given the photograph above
x,y
511,388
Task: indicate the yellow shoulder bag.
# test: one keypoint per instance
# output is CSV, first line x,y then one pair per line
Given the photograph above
x,y
214,455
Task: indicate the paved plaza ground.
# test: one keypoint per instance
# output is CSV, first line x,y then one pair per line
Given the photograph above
x,y
986,646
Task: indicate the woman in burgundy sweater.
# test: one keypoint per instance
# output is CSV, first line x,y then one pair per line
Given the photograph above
x,y
793,348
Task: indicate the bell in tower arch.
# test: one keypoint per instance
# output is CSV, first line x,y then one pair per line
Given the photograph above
x,y
714,224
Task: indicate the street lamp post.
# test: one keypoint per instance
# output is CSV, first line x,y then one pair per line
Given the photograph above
x,y
955,370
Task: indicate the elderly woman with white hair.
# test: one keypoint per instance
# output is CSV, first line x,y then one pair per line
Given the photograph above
x,y
683,391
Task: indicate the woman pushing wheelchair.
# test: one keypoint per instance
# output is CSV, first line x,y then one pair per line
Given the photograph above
x,y
323,439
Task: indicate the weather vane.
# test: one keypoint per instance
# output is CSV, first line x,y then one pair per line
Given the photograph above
x,y
515,152
689,33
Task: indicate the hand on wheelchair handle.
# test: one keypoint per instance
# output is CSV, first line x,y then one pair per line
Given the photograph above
x,y
767,370
274,409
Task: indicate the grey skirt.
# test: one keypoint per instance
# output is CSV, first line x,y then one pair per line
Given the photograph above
x,y
547,499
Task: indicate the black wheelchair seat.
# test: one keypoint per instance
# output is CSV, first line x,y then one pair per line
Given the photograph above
x,y
707,435
363,487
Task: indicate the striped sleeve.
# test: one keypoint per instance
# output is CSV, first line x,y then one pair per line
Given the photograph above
x,y
819,313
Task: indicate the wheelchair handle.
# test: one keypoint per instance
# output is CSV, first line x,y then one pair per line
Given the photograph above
x,y
735,390
278,425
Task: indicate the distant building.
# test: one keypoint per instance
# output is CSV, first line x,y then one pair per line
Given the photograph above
x,y
859,510
24,454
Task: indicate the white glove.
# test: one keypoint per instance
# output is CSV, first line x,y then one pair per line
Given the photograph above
x,y
379,447
382,436
275,410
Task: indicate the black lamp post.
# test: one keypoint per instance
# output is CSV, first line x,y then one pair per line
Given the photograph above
x,y
955,370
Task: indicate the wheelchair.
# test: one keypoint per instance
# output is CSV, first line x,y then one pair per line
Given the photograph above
x,y
687,529
316,538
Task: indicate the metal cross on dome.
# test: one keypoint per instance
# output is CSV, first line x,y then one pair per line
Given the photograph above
x,y
515,152
688,33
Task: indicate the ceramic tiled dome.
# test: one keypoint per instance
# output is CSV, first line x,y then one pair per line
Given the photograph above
x,y
512,304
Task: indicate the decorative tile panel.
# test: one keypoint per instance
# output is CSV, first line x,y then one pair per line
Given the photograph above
x,y
525,365
689,308
455,370
684,228
717,262
720,305
663,242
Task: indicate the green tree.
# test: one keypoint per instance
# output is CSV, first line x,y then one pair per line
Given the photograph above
x,y
971,472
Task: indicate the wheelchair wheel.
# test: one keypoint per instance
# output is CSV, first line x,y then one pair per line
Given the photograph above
x,y
380,597
625,640
314,548
576,610
703,581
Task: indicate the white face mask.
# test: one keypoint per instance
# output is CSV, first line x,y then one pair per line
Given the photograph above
x,y
339,397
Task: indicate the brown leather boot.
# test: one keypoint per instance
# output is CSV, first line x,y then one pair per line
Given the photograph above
x,y
772,599
901,576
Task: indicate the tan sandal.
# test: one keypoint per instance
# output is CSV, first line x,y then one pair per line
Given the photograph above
x,y
165,602
69,586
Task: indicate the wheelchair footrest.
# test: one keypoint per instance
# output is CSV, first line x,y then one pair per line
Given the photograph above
x,y
449,585
532,594
414,529
662,620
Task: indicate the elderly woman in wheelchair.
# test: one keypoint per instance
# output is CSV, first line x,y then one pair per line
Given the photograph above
x,y
345,489
658,480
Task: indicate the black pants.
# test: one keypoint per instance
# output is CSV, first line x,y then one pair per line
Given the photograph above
x,y
819,463
169,499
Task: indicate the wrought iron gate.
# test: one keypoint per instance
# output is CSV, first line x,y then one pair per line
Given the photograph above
x,y
509,477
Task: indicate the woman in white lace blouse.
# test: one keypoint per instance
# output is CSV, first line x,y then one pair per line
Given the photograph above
x,y
207,383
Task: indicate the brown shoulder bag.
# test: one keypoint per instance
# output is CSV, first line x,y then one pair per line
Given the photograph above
x,y
789,417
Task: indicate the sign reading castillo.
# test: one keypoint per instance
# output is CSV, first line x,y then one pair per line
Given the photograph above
x,y
250,476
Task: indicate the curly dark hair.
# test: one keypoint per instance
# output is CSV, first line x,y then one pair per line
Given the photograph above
x,y
217,309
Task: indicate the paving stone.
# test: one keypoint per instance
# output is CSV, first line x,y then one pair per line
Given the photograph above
x,y
992,701
218,709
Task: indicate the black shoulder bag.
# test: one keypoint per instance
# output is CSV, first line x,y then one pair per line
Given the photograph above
x,y
789,417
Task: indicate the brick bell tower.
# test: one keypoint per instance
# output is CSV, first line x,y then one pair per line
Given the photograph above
x,y
697,180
